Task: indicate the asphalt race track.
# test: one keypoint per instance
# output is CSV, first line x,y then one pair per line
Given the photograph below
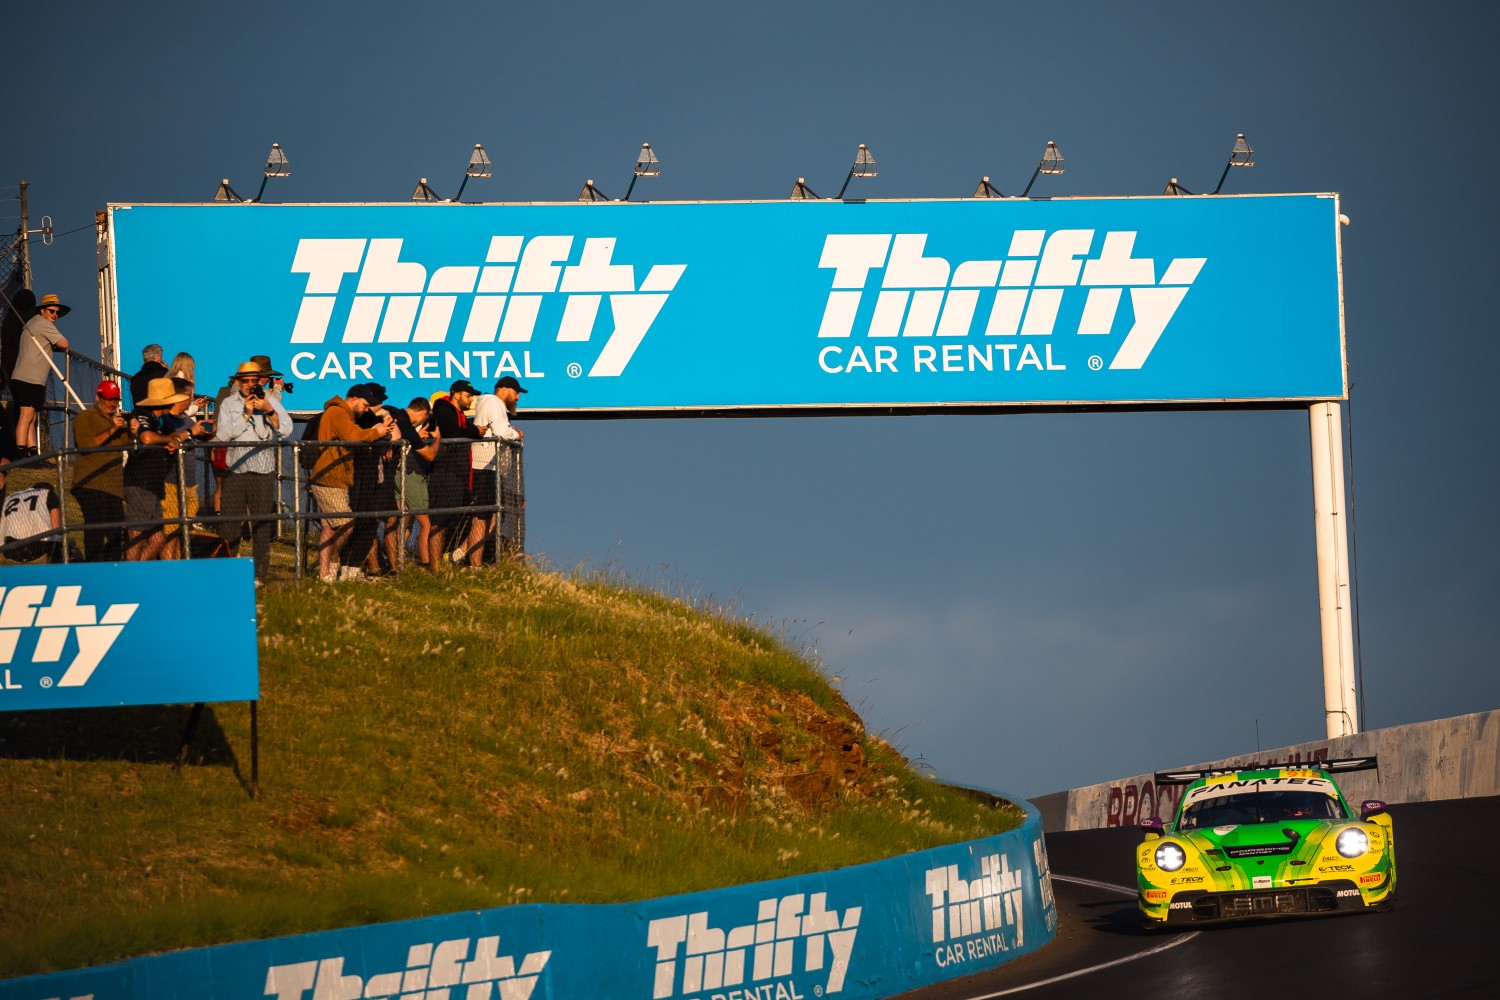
x,y
1441,940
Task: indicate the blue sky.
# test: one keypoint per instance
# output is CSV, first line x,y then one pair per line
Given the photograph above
x,y
1025,602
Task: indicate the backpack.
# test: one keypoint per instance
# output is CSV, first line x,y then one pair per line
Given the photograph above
x,y
308,449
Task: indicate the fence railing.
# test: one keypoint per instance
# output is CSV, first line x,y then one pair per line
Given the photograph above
x,y
83,373
295,509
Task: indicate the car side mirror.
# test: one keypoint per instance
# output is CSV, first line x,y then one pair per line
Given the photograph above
x,y
1371,807
1152,826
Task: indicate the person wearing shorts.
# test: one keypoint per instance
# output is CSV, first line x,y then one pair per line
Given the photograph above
x,y
334,472
420,448
28,381
146,472
490,462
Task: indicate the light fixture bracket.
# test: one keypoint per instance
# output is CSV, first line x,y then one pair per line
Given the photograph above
x,y
801,192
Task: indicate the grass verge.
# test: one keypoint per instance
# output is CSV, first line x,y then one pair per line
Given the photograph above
x,y
446,742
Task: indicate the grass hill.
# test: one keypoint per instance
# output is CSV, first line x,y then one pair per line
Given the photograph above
x,y
447,742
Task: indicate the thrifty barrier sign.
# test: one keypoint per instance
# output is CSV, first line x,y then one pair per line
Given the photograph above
x,y
853,934
95,634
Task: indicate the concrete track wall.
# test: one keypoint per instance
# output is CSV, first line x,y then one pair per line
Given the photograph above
x,y
1445,759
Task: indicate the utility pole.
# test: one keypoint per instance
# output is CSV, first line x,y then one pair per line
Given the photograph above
x,y
25,238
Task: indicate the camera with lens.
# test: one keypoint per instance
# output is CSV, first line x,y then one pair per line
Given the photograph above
x,y
286,387
258,391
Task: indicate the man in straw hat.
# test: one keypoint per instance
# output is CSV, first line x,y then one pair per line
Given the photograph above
x,y
28,382
146,472
252,422
276,384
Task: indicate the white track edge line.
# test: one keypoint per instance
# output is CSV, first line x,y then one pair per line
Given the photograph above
x,y
1092,884
1165,945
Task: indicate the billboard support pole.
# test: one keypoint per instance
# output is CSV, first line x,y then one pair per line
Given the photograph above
x,y
1334,609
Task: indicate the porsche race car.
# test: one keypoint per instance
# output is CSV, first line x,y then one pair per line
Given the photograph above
x,y
1265,843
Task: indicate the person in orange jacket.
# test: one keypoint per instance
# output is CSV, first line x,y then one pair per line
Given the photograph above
x,y
334,473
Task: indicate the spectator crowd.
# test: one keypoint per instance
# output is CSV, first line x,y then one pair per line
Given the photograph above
x,y
429,483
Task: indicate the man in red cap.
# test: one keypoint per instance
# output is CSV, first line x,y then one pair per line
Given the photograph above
x,y
98,477
28,383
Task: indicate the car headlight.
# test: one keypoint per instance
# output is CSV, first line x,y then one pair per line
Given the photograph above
x,y
1352,842
1170,857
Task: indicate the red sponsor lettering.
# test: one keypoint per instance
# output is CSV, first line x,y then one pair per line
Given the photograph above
x,y
1371,878
1128,804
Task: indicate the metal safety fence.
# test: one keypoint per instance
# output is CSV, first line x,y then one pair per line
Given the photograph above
x,y
71,393
384,500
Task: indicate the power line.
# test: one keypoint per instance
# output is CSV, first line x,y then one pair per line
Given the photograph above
x,y
70,232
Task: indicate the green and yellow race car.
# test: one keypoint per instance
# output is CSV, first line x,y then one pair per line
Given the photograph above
x,y
1265,843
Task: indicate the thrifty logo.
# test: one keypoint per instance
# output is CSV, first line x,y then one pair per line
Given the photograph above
x,y
992,904
711,958
433,972
1017,296
26,609
399,302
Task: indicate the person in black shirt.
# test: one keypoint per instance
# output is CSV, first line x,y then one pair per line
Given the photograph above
x,y
422,447
373,487
140,382
448,483
146,472
19,308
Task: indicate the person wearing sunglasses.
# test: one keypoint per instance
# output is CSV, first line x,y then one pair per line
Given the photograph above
x,y
28,383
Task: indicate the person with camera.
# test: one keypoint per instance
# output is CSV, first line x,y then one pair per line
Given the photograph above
x,y
98,477
333,474
146,473
275,387
373,489
424,438
252,422
181,499
448,482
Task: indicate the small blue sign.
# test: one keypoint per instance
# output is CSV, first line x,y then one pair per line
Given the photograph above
x,y
88,635
621,307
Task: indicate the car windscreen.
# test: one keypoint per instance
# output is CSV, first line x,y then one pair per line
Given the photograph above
x,y
1260,806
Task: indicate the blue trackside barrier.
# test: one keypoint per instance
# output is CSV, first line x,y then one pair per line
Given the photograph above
x,y
857,933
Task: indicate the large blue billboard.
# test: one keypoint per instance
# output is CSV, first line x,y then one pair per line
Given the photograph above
x,y
616,307
88,635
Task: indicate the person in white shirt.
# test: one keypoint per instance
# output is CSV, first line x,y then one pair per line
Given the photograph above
x,y
489,462
25,519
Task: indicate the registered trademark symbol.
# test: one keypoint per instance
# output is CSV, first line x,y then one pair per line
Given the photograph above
x,y
575,370
46,682
1095,362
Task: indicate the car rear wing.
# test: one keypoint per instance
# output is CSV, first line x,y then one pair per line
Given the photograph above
x,y
1188,775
